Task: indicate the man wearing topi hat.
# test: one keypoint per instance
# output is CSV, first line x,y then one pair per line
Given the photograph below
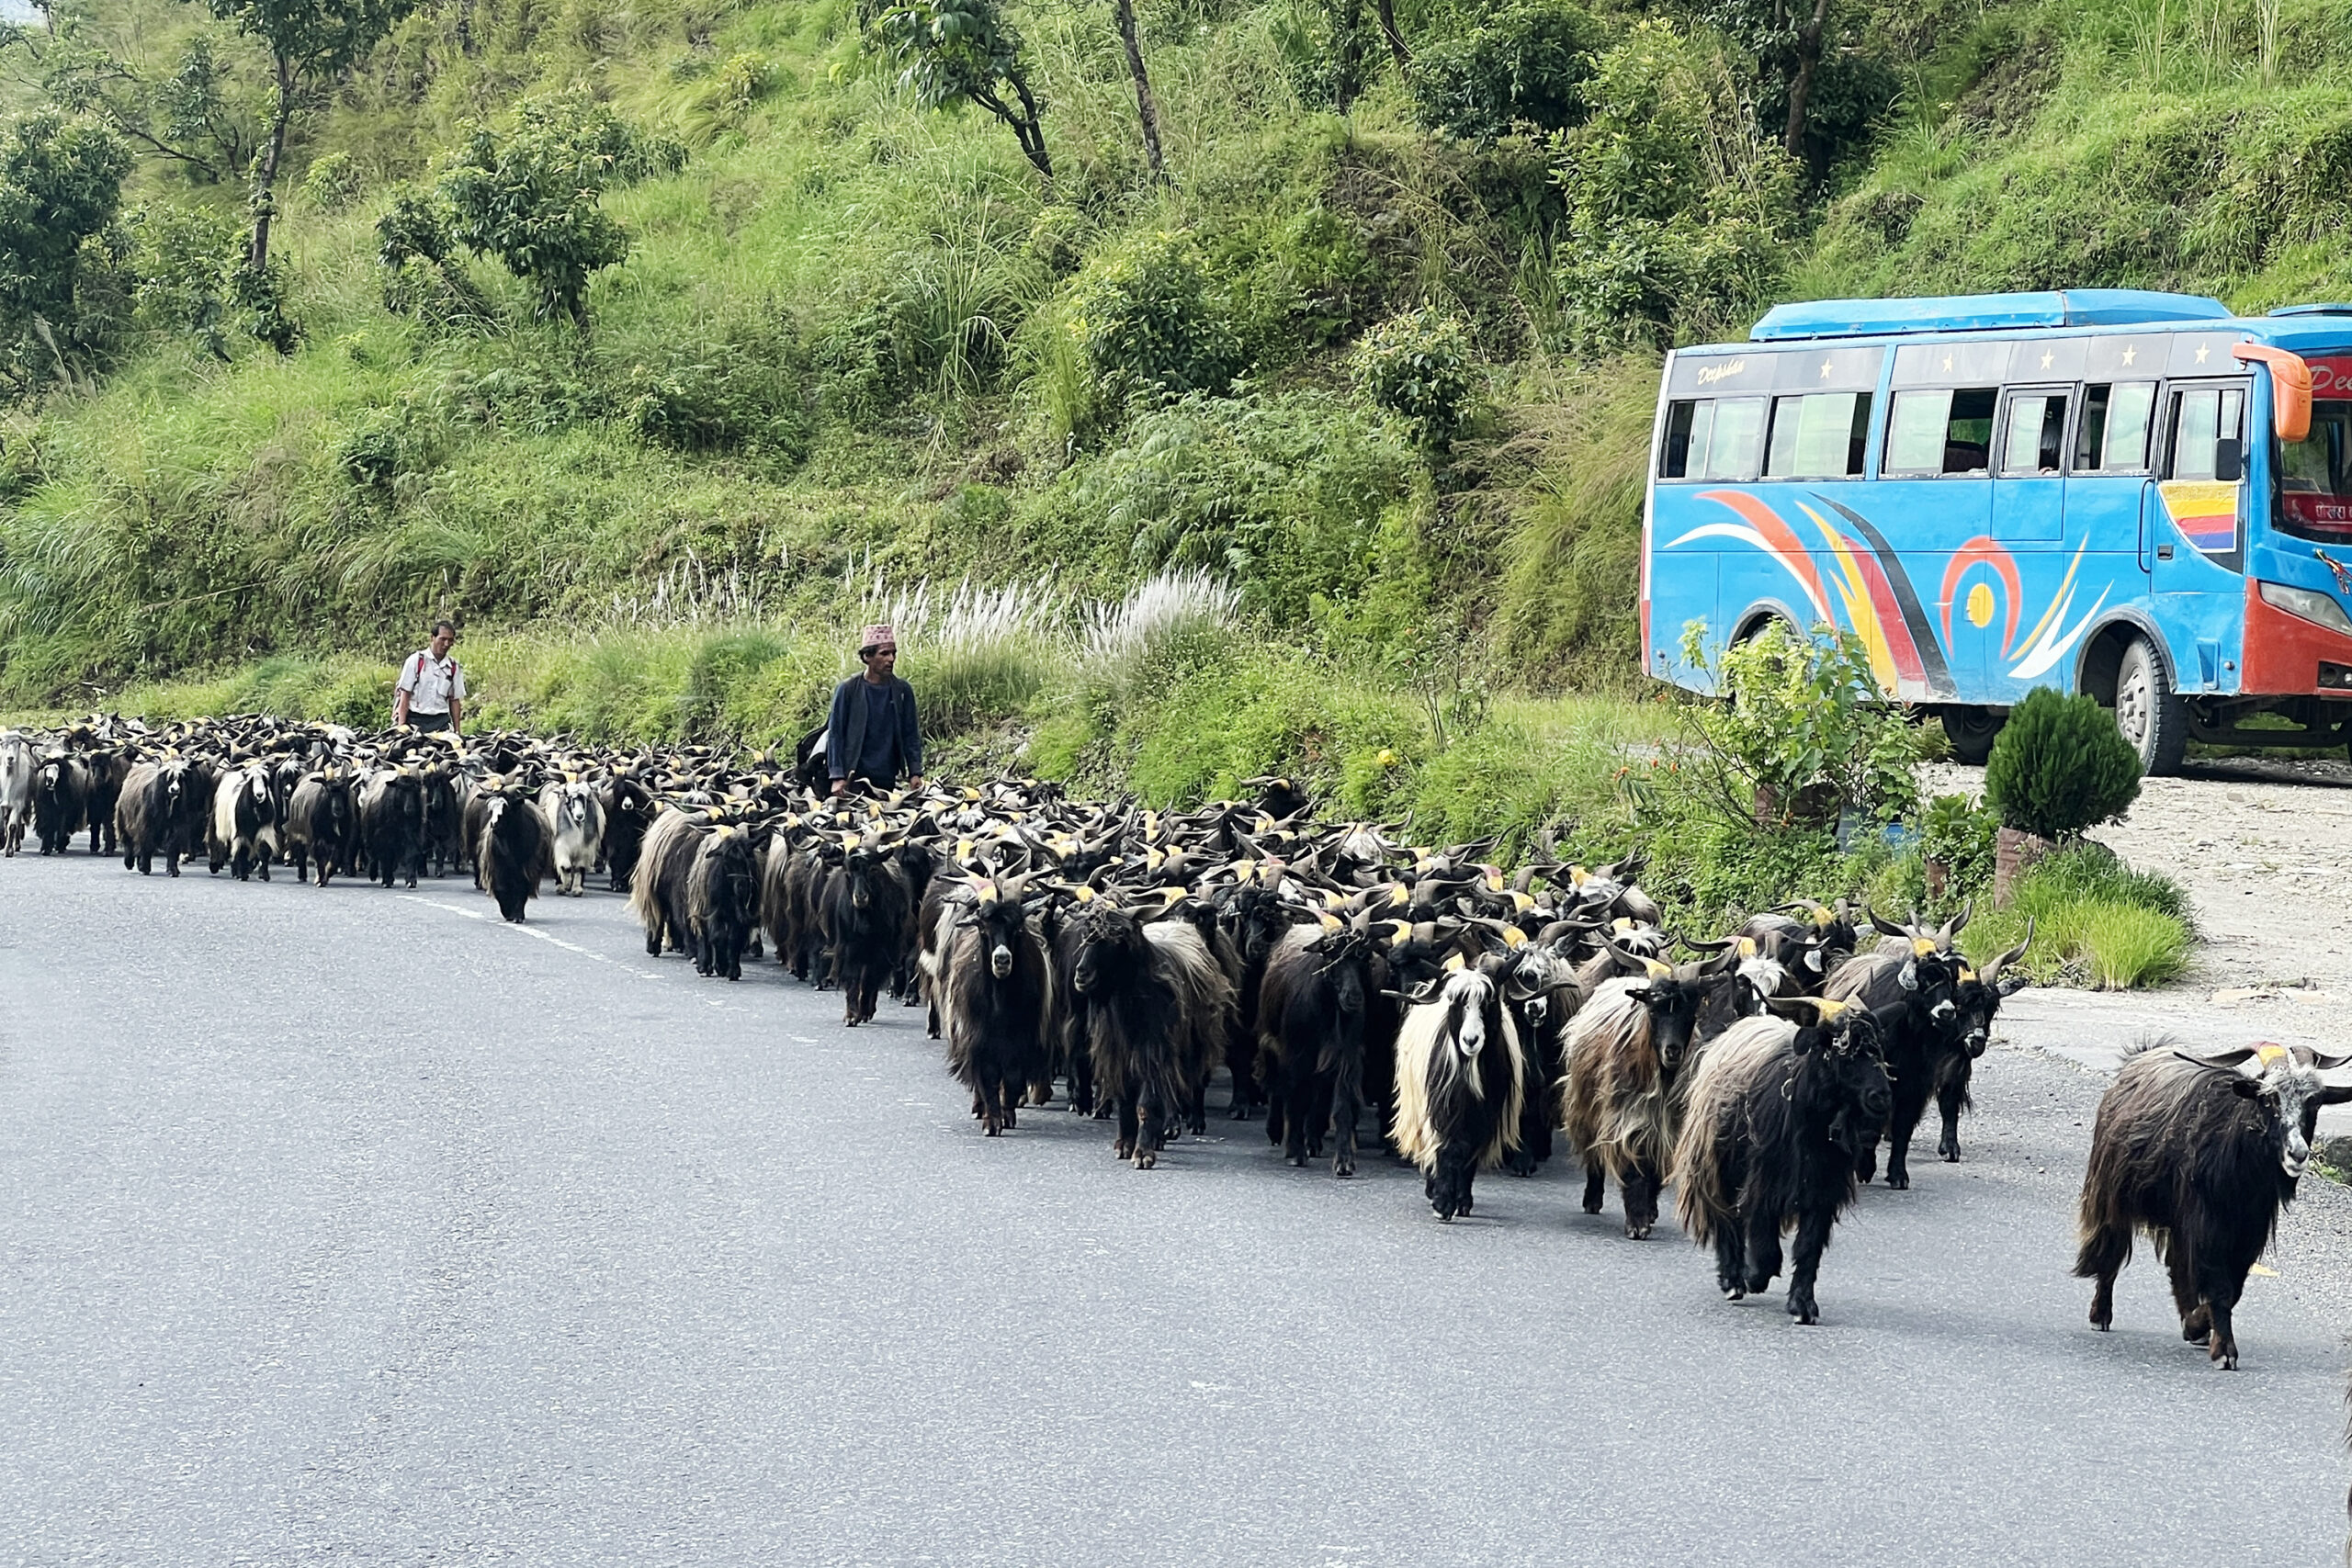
x,y
872,734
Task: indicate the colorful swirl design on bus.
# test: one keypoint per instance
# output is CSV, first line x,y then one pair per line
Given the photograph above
x,y
1882,607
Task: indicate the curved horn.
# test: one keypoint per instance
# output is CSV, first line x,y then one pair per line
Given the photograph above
x,y
1885,926
1991,972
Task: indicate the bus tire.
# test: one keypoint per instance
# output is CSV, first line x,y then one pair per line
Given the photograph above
x,y
1971,731
2152,716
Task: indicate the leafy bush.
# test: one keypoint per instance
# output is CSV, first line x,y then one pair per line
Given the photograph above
x,y
61,186
184,257
1418,365
1672,226
334,182
2060,766
1329,50
1151,324
531,198
1803,730
1960,834
724,398
1524,67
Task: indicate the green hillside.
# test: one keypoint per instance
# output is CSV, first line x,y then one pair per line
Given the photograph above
x,y
1375,352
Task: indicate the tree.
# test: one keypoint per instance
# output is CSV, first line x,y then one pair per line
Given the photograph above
x,y
185,116
534,199
954,52
1123,12
61,187
311,44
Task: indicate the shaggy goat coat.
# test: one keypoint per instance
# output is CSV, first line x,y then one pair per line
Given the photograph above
x,y
990,982
511,852
657,893
722,901
245,829
1461,1086
319,826
578,821
16,791
2204,1157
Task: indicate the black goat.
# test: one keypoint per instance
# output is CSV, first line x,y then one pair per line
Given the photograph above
x,y
151,813
1540,987
1962,1037
658,888
391,824
990,976
319,824
510,851
1908,984
866,913
441,828
722,900
60,801
2202,1157
1314,1023
1157,1008
103,776
1257,919
1767,1141
628,812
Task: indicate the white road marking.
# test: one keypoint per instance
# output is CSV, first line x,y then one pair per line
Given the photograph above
x,y
537,935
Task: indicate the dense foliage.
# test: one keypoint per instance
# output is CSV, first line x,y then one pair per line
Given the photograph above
x,y
2060,766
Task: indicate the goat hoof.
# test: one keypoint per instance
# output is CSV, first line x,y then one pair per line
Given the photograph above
x,y
1732,1292
1897,1183
1637,1232
1146,1159
1343,1168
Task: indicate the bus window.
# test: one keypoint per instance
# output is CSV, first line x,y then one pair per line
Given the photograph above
x,y
1939,432
1684,420
2316,477
1818,435
2037,434
2114,439
2202,418
1735,439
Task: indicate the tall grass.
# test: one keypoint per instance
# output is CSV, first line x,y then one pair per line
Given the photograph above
x,y
2096,922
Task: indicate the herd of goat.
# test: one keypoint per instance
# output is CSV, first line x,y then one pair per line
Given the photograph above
x,y
1118,958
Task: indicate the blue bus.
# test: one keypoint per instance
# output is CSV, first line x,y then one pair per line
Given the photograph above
x,y
2133,494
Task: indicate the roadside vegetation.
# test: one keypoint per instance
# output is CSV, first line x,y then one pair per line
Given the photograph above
x,y
656,343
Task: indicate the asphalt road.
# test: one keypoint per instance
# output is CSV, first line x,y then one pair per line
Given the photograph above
x,y
354,1227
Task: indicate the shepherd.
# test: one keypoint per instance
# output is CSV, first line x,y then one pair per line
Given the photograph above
x,y
431,692
872,734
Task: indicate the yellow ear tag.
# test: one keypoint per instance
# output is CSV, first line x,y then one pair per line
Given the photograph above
x,y
1579,876
1621,925
1171,897
1921,946
2269,1054
1455,964
1659,971
721,830
1748,947
1248,868
1400,896
1522,902
1829,1008
1152,859
970,794
1967,975
849,840
1514,937
1086,895
841,818
1824,918
1399,931
1264,824
1330,922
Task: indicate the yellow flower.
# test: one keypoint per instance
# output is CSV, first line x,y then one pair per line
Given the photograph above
x,y
1388,759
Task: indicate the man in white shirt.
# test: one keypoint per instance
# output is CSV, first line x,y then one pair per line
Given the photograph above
x,y
431,692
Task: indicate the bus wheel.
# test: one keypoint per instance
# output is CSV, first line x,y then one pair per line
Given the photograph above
x,y
2152,716
1971,731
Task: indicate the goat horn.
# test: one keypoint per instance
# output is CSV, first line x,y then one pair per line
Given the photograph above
x,y
2002,961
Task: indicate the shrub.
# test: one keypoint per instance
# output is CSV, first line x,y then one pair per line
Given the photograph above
x,y
334,182
1526,66
1151,325
2096,922
1960,833
1803,730
1418,365
720,398
2060,766
182,257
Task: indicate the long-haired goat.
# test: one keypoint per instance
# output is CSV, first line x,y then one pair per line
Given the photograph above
x,y
997,1000
1157,1008
2203,1152
1628,1051
722,900
657,892
1908,983
510,849
865,914
1962,1037
246,824
319,824
153,814
1776,1108
1461,1086
628,811
1314,1010
577,817
391,824
61,790
16,767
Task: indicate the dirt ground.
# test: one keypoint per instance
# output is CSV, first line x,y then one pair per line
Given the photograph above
x,y
2265,848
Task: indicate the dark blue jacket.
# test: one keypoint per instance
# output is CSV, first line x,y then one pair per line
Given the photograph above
x,y
845,727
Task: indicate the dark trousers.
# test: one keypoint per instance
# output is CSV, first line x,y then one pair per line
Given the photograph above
x,y
427,723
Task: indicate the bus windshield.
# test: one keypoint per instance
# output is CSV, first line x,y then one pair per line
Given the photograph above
x,y
2316,477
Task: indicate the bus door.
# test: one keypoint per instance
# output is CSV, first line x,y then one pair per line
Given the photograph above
x,y
1934,497
2110,493
2029,475
2196,532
